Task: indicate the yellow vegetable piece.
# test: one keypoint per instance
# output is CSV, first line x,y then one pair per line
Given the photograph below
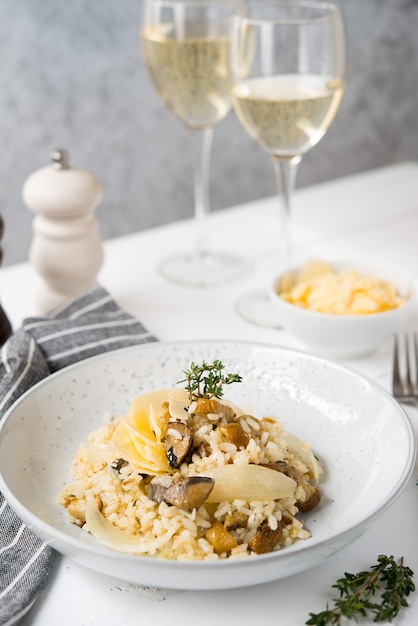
x,y
220,538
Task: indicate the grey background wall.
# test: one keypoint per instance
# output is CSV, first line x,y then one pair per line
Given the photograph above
x,y
72,75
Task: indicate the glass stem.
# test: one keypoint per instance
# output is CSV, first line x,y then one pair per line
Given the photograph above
x,y
202,147
285,171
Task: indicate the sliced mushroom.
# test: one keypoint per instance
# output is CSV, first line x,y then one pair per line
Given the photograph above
x,y
312,494
117,464
198,421
235,520
312,499
178,441
189,493
75,508
234,433
201,450
266,539
210,406
156,492
279,466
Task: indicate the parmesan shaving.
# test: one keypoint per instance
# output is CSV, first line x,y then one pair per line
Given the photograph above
x,y
323,290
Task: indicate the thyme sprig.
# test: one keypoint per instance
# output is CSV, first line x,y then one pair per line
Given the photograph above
x,y
380,592
207,380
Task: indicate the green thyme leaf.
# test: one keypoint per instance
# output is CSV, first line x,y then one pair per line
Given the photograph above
x,y
207,380
379,592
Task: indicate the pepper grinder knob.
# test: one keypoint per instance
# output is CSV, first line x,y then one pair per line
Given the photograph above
x,y
66,248
60,159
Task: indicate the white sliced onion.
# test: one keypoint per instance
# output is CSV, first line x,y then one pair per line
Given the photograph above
x,y
304,451
106,533
116,539
249,482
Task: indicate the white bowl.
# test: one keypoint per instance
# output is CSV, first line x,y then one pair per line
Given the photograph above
x,y
345,336
319,401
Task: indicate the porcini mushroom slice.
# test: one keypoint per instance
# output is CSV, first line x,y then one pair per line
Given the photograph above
x,y
189,493
178,441
313,497
156,492
266,539
312,493
235,520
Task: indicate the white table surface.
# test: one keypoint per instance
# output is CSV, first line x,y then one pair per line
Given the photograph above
x,y
370,217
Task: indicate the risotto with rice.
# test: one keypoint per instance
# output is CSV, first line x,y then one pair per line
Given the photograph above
x,y
185,474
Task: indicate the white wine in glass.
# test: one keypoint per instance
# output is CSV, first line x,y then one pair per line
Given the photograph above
x,y
288,61
186,49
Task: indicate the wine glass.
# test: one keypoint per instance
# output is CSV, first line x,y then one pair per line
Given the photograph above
x,y
288,65
186,50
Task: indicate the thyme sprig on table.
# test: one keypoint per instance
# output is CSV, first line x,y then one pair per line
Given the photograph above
x,y
207,380
380,592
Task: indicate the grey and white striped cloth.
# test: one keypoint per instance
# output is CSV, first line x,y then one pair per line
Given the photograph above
x,y
87,325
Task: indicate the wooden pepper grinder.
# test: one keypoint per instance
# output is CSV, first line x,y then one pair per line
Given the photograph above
x,y
66,248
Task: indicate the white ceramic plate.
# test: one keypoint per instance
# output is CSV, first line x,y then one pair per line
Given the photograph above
x,y
362,436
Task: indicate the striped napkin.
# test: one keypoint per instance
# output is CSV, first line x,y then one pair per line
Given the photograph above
x,y
89,324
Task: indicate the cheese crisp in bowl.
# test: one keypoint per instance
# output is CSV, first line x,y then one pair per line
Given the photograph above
x,y
342,309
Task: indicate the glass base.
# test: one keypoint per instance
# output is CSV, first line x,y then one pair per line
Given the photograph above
x,y
257,308
203,270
